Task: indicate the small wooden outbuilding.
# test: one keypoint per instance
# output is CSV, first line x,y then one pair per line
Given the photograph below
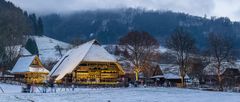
x,y
29,69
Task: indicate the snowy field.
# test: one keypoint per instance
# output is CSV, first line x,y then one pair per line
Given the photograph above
x,y
12,94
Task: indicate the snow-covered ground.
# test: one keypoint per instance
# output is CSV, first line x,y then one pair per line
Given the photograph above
x,y
47,50
118,95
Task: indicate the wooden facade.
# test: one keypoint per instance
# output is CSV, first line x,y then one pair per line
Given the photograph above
x,y
230,77
35,73
88,64
96,73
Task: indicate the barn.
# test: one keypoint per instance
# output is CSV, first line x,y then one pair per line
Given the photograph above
x,y
229,72
88,63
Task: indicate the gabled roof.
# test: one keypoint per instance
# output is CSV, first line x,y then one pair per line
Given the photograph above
x,y
90,51
171,71
24,65
211,69
170,68
174,76
24,51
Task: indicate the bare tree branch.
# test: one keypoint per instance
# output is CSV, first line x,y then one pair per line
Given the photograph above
x,y
142,48
182,45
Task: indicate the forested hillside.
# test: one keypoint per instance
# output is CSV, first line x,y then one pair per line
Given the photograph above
x,y
108,25
15,24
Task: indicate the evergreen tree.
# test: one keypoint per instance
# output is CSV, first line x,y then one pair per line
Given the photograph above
x,y
2,55
39,27
34,25
13,26
31,46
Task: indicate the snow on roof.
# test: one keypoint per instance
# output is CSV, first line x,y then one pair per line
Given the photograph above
x,y
98,53
44,42
23,65
89,51
47,50
169,68
24,51
171,71
163,49
210,69
173,76
158,76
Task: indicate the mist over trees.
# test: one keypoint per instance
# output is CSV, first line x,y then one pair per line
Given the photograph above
x,y
36,25
109,25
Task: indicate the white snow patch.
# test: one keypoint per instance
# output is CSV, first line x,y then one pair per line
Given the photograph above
x,y
47,50
118,95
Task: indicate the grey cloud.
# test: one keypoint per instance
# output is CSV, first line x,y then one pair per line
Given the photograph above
x,y
194,7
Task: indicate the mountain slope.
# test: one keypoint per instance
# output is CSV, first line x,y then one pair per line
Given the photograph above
x,y
107,26
13,24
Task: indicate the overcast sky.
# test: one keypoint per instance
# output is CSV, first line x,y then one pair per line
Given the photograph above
x,y
226,8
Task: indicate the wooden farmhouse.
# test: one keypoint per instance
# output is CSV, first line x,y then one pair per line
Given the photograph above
x,y
88,63
170,75
230,73
29,69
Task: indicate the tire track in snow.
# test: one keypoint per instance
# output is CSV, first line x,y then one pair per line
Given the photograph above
x,y
23,99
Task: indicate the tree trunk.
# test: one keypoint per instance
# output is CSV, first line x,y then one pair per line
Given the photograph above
x,y
219,78
183,81
136,75
182,74
220,83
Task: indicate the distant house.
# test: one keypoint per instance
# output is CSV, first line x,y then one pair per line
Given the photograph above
x,y
229,72
171,74
13,52
29,69
88,63
158,76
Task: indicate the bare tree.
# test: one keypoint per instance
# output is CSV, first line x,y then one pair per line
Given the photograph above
x,y
59,49
141,48
9,48
182,45
196,68
220,49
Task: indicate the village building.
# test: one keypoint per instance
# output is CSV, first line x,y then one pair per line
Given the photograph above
x,y
229,72
88,63
29,69
170,75
158,76
13,52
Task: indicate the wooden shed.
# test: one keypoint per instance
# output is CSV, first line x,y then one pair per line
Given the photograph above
x,y
29,69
